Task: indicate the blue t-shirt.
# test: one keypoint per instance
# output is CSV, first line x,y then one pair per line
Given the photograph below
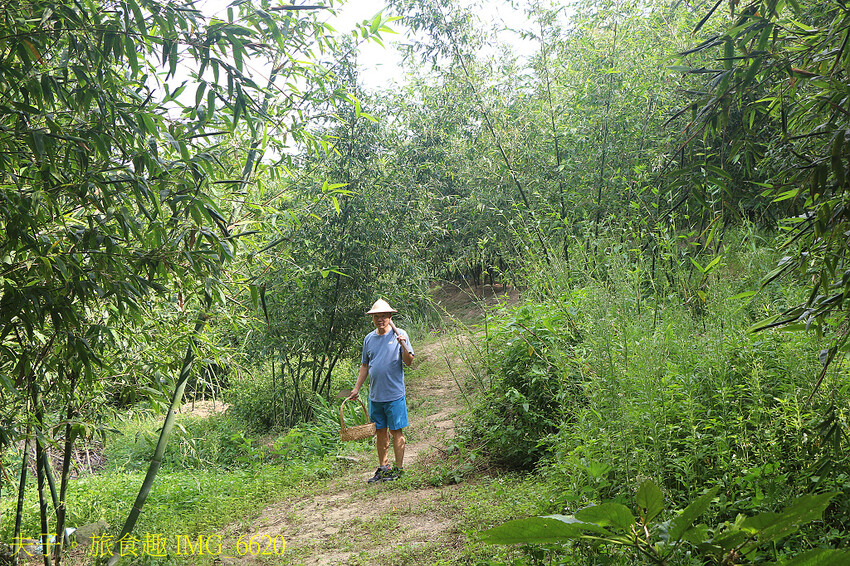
x,y
386,367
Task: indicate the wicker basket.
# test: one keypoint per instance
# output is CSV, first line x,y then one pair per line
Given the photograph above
x,y
359,432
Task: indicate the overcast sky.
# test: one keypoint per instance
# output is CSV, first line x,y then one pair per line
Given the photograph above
x,y
380,66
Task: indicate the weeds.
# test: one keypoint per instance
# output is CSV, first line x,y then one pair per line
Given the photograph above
x,y
619,381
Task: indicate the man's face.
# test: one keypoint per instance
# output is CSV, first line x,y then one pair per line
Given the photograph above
x,y
381,321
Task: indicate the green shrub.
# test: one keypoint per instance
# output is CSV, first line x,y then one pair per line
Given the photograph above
x,y
264,405
666,382
256,402
535,385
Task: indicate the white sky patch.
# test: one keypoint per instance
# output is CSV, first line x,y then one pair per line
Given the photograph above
x,y
381,67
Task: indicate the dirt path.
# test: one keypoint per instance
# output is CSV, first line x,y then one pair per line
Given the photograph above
x,y
352,522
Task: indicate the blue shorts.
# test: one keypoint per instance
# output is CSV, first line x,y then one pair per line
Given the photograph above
x,y
390,414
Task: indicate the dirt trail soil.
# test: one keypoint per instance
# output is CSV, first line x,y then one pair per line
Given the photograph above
x,y
353,521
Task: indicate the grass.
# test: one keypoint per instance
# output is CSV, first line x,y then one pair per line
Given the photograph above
x,y
210,478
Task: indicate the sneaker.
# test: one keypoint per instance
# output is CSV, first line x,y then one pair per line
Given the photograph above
x,y
380,474
394,474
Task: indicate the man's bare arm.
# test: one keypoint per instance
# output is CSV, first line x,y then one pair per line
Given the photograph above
x,y
362,374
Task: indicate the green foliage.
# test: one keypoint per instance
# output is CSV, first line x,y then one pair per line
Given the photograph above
x,y
459,463
181,501
658,542
198,443
355,251
125,198
255,401
211,463
781,71
263,402
312,440
118,201
688,395
534,384
684,395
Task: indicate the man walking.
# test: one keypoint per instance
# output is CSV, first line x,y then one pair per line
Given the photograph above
x,y
386,350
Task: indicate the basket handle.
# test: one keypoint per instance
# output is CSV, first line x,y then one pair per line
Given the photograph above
x,y
342,406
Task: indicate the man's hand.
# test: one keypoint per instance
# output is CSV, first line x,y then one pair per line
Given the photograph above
x,y
354,394
406,353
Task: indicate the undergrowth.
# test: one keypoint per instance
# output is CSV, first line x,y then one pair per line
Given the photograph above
x,y
600,381
214,473
610,378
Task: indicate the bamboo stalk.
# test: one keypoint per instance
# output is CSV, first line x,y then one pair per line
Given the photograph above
x,y
39,472
51,480
19,511
162,443
66,470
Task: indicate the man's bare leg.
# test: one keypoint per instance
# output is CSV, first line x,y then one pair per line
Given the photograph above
x,y
383,446
398,447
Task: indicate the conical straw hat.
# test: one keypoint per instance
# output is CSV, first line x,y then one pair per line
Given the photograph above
x,y
381,306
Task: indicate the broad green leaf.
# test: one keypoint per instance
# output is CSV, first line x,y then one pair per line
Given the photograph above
x,y
607,515
697,534
586,527
819,557
756,523
534,530
730,539
650,501
804,510
684,521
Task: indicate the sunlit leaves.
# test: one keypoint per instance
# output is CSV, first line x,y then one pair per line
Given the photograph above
x,y
650,501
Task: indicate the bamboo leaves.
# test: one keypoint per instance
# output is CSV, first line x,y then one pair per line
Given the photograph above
x,y
785,62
